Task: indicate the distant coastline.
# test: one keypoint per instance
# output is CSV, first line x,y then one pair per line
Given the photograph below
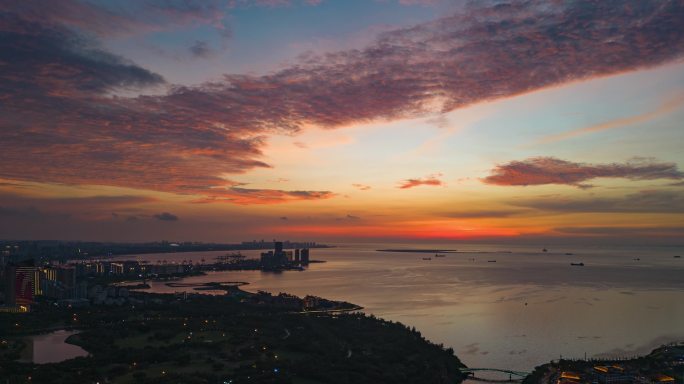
x,y
412,250
418,250
47,250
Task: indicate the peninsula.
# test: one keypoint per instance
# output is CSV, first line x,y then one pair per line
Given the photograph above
x,y
196,338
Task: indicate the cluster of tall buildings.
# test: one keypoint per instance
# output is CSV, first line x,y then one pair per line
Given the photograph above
x,y
281,259
135,268
262,244
23,282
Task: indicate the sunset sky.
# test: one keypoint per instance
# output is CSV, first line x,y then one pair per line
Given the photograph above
x,y
342,120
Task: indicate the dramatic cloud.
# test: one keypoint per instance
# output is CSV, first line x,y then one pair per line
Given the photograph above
x,y
143,16
59,120
430,180
549,170
57,123
643,202
165,216
53,64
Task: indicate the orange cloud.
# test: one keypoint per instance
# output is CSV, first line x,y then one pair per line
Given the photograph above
x,y
429,180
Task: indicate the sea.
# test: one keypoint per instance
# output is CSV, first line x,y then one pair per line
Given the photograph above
x,y
497,306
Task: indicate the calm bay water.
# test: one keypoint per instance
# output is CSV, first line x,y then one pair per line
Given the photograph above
x,y
523,310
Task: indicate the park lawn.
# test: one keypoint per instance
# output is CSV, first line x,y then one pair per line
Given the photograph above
x,y
142,340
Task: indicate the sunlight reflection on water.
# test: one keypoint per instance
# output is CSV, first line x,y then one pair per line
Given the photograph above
x,y
525,309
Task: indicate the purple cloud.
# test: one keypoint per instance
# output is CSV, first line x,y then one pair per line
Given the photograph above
x,y
130,18
550,170
60,123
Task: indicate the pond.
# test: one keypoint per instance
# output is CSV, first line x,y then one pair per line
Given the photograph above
x,y
51,348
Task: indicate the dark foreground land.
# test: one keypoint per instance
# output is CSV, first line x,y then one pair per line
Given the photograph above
x,y
217,339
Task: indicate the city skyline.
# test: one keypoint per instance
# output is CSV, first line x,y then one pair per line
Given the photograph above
x,y
342,121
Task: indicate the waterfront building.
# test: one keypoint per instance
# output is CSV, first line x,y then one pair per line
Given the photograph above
x,y
664,379
612,374
167,269
304,255
117,268
102,268
567,377
37,276
277,258
59,283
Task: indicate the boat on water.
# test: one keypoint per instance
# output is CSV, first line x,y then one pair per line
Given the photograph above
x,y
577,264
427,258
491,261
677,257
544,250
439,255
569,253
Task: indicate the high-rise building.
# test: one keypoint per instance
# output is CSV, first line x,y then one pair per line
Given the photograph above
x,y
20,284
267,259
58,282
117,268
67,278
37,276
304,254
